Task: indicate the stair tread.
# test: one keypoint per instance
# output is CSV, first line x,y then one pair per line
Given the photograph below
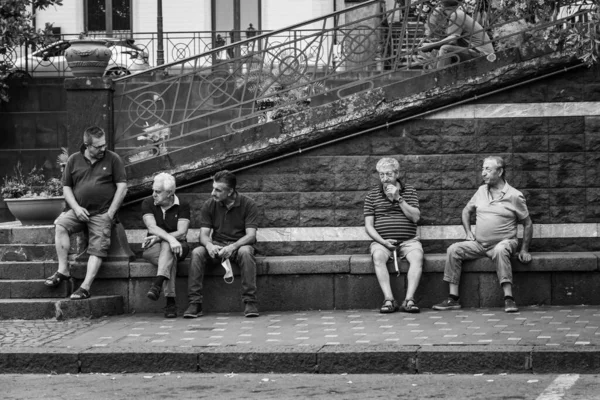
x,y
51,299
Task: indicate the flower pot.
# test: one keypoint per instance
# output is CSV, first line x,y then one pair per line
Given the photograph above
x,y
88,57
36,210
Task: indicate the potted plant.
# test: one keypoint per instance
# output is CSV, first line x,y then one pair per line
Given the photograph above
x,y
33,199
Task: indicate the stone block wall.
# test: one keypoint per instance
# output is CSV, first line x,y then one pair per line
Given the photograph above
x,y
33,126
548,132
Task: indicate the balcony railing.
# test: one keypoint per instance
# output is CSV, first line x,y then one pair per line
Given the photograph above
x,y
228,89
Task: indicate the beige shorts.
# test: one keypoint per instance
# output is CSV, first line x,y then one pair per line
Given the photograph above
x,y
403,248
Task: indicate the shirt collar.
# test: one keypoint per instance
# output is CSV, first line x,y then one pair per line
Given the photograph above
x,y
236,202
175,203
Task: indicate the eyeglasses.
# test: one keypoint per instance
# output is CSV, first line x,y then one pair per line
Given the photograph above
x,y
102,146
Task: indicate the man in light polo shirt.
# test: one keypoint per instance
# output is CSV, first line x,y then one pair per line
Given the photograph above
x,y
94,186
167,219
498,208
391,214
233,220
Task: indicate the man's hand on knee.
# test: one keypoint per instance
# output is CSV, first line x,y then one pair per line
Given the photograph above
x,y
524,257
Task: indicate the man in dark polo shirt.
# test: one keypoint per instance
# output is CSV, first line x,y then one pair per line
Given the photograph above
x,y
94,186
233,220
391,214
167,219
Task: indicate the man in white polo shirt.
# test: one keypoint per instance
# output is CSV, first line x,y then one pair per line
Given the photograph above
x,y
498,207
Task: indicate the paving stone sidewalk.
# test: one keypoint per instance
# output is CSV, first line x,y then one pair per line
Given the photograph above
x,y
535,340
532,326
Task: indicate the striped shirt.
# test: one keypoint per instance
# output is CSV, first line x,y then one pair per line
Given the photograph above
x,y
390,222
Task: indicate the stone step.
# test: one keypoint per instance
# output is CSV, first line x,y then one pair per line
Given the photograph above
x,y
27,252
32,289
17,233
27,269
60,308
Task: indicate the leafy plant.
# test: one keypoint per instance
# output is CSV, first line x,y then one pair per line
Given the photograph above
x,y
16,29
31,184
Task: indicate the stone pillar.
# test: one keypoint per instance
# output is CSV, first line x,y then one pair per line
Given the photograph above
x,y
360,41
89,102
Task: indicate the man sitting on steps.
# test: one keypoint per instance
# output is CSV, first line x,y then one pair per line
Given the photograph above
x,y
167,219
464,38
391,214
233,219
94,185
498,207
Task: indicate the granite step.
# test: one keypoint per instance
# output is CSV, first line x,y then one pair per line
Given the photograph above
x,y
33,289
60,308
27,269
17,233
27,252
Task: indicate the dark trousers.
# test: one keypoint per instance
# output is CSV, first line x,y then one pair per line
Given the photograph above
x,y
243,257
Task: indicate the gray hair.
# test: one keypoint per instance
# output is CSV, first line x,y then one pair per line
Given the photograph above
x,y
167,181
388,161
499,162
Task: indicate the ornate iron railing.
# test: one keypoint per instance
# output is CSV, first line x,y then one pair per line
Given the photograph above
x,y
245,84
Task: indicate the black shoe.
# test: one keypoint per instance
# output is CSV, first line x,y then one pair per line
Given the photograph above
x,y
194,310
171,310
448,304
154,292
251,310
510,306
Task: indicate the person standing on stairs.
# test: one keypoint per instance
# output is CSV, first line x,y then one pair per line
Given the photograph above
x,y
391,212
167,219
94,186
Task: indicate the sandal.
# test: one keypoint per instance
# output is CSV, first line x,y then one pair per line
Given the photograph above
x,y
409,306
56,279
389,306
80,294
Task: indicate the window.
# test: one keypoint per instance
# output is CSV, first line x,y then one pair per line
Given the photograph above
x,y
98,20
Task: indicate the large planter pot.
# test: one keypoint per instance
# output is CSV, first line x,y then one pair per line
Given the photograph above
x,y
88,57
36,210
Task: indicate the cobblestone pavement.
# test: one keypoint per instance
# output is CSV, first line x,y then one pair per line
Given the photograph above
x,y
533,326
34,333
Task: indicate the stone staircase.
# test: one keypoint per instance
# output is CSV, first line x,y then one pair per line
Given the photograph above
x,y
27,257
298,282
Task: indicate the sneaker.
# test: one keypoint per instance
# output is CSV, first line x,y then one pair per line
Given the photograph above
x,y
448,304
153,293
250,310
510,306
171,310
194,310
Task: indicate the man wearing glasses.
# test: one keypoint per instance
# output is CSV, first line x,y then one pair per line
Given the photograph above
x,y
94,186
391,214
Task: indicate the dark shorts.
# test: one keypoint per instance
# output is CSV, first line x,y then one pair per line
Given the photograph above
x,y
99,227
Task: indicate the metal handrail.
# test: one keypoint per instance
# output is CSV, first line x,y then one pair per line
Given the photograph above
x,y
267,34
247,83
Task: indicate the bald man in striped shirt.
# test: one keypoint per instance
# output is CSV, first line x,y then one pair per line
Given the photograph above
x,y
391,214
